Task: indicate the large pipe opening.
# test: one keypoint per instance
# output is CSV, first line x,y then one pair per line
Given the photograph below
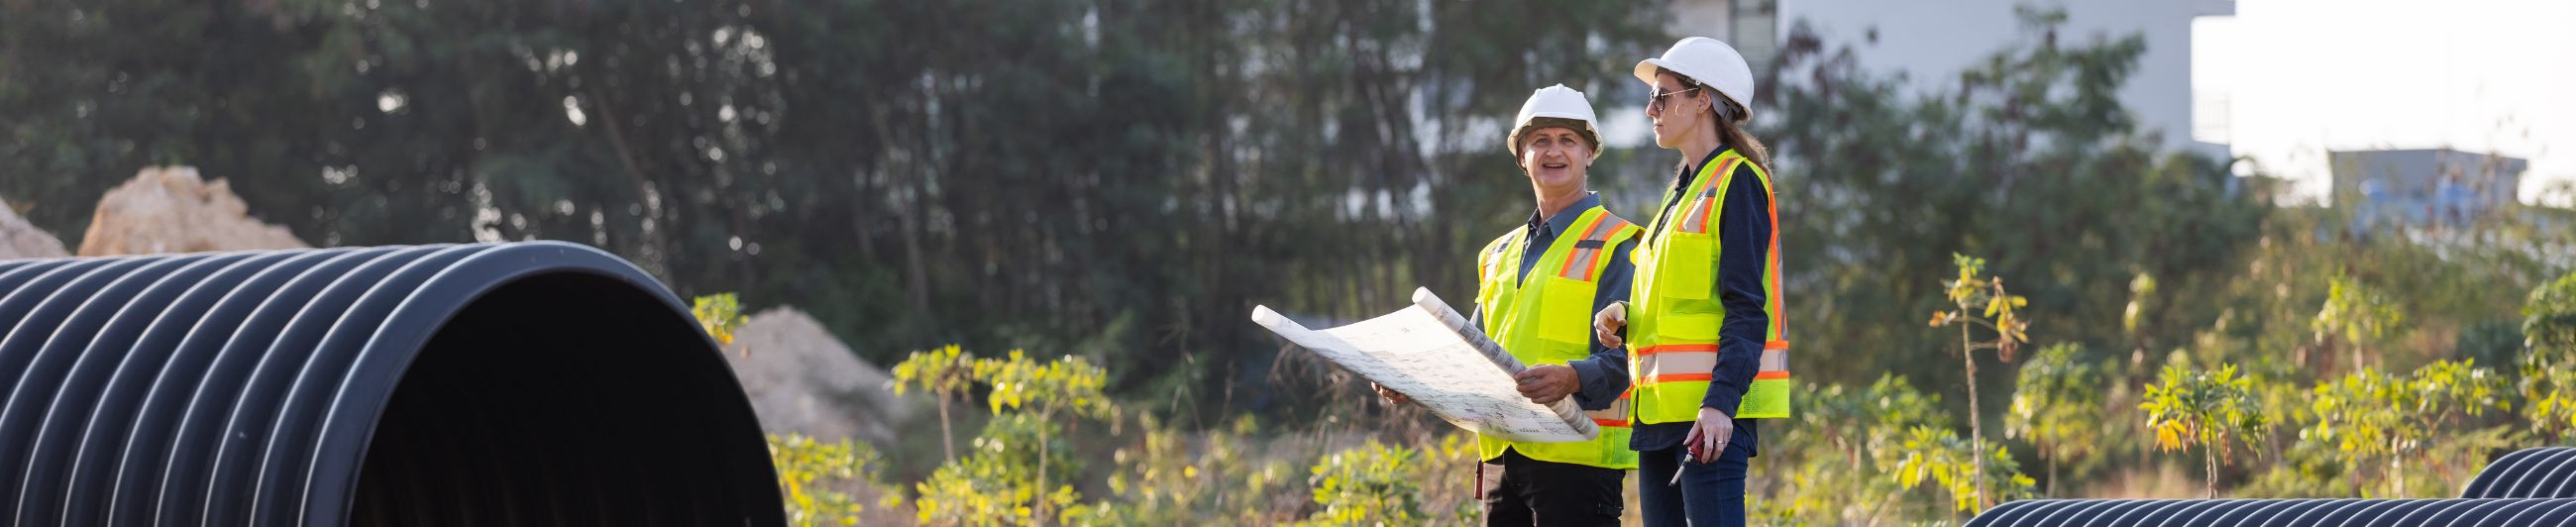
x,y
566,399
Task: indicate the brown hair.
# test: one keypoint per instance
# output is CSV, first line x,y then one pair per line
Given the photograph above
x,y
1729,131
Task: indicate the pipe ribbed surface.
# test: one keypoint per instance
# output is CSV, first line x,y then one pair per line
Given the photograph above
x,y
538,383
2515,512
2547,472
2533,486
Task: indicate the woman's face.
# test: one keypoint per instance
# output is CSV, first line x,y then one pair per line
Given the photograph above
x,y
1678,114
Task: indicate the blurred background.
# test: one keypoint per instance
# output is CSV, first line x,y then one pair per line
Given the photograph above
x,y
992,260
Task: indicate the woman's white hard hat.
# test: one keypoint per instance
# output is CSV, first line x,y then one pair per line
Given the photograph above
x,y
1708,61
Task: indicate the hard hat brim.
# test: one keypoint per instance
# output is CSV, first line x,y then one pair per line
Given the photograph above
x,y
1646,74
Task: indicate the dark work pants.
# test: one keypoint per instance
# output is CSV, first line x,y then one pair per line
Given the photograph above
x,y
1523,491
1710,494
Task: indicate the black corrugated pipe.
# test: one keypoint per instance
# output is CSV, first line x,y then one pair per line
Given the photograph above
x,y
2299,512
2546,472
538,383
2534,486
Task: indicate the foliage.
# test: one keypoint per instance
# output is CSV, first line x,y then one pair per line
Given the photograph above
x,y
2001,316
719,314
1366,485
947,373
2367,415
2212,409
2357,314
815,477
1939,455
1845,457
2057,404
1007,475
1176,478
2549,318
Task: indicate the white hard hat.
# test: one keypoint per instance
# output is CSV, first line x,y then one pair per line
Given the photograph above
x,y
1557,102
1709,62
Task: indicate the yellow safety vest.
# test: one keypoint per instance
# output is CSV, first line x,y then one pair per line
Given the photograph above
x,y
1674,311
1546,318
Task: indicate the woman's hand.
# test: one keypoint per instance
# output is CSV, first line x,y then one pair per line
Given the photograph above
x,y
1708,435
1606,324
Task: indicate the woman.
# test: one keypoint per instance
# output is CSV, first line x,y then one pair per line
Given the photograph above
x,y
1706,352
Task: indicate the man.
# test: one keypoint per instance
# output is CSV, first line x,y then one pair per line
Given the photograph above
x,y
1538,288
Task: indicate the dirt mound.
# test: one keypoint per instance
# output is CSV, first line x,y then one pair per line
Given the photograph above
x,y
171,210
802,379
19,239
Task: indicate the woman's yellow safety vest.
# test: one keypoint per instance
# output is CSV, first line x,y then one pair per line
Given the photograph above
x,y
1546,318
1674,310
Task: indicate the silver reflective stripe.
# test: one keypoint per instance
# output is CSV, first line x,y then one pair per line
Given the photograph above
x,y
1672,362
1775,360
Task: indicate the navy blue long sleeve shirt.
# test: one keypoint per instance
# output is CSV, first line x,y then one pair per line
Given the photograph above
x,y
1744,238
1604,374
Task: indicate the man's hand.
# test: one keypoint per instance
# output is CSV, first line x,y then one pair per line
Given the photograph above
x,y
1391,396
1606,324
1709,435
1549,383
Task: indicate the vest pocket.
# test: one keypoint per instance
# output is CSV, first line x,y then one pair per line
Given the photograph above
x,y
1567,305
1688,268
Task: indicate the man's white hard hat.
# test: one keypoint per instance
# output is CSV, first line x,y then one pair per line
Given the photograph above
x,y
1555,102
1708,61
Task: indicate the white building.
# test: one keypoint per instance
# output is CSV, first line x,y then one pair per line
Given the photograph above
x,y
1930,42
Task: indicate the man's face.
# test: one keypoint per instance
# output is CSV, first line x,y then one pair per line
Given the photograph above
x,y
1555,158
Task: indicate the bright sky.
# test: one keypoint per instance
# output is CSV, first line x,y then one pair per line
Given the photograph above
x,y
2301,77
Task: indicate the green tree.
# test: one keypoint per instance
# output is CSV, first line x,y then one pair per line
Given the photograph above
x,y
2369,416
2356,315
1937,455
2213,410
947,373
1007,474
2057,405
815,477
1972,290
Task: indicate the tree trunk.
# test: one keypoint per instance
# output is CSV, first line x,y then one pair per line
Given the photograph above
x,y
2209,458
2397,472
947,439
1976,425
2051,491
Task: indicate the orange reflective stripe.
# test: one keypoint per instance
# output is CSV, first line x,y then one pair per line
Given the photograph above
x,y
1769,375
1779,324
1566,269
1613,423
1678,377
1601,232
1776,345
1677,348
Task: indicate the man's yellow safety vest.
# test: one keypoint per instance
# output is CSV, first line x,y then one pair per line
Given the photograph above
x,y
1546,318
1674,309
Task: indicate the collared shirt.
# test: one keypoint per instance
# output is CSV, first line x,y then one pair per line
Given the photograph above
x,y
1604,374
1744,238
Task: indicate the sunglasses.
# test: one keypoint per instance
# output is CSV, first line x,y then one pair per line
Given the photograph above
x,y
1657,102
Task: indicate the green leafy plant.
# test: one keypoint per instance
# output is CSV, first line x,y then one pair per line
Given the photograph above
x,y
2057,406
2209,409
719,314
1371,484
1972,291
2368,415
815,477
947,373
2356,315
